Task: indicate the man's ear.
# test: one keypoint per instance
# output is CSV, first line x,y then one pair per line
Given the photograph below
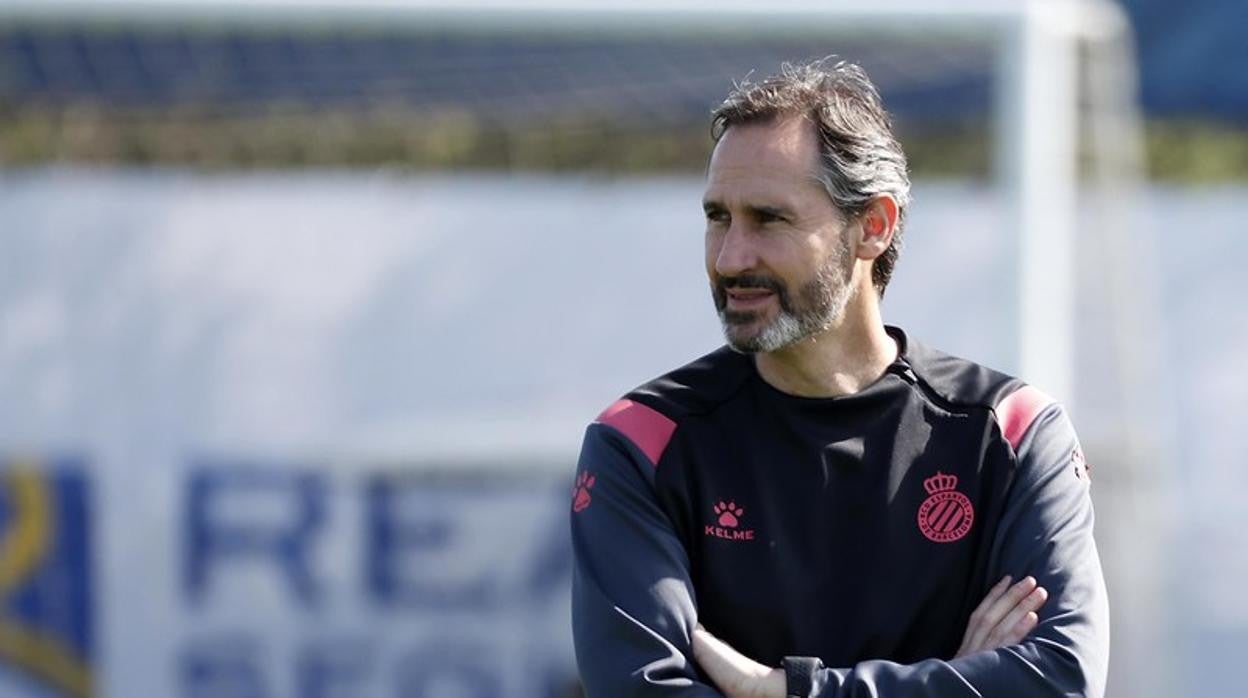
x,y
878,222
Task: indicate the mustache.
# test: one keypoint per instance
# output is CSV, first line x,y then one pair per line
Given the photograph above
x,y
750,281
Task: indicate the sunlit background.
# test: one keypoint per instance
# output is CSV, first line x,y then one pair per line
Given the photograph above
x,y
304,307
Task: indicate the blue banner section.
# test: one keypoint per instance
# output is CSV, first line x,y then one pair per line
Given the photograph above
x,y
309,581
46,624
1193,58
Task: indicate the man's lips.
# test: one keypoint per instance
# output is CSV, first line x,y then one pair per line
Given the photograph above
x,y
744,298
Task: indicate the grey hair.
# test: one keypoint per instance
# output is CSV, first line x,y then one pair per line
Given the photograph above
x,y
861,158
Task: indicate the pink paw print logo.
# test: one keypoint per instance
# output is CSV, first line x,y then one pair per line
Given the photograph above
x,y
580,493
728,514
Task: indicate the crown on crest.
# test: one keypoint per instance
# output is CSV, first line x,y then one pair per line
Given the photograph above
x,y
940,482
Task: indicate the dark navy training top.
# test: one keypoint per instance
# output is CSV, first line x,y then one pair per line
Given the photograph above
x,y
846,539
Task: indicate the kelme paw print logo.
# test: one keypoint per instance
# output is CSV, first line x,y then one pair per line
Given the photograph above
x,y
728,514
580,493
728,522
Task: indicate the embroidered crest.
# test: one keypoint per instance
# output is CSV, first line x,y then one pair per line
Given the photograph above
x,y
946,515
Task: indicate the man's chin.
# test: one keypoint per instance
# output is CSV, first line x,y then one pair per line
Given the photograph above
x,y
760,336
745,339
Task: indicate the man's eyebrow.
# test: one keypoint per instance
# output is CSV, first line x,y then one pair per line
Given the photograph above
x,y
767,210
709,205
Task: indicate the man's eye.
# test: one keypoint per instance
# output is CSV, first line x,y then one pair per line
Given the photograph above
x,y
717,216
766,217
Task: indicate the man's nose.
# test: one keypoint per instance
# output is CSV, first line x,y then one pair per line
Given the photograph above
x,y
736,252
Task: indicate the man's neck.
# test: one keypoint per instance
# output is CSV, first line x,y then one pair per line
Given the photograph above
x,y
841,360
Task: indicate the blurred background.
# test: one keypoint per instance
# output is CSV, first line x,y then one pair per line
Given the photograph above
x,y
304,306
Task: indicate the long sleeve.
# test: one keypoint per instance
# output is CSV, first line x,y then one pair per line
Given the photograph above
x,y
632,599
1046,531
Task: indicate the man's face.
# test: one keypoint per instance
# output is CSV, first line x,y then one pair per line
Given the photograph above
x,y
778,253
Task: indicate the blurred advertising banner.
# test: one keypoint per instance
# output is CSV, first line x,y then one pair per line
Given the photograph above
x,y
318,458
294,580
46,589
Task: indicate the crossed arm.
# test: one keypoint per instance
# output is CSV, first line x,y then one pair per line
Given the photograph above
x,y
635,619
1003,618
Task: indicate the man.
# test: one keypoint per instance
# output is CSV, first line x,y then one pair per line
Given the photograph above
x,y
841,508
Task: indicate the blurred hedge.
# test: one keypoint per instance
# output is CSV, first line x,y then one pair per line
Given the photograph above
x,y
290,136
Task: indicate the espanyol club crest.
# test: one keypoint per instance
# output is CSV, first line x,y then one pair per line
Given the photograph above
x,y
946,515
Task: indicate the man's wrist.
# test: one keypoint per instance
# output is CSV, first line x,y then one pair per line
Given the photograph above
x,y
775,684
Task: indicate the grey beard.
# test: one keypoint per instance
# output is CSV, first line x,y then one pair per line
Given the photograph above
x,y
783,330
819,304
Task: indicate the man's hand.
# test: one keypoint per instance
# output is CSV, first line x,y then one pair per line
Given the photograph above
x,y
735,674
1003,618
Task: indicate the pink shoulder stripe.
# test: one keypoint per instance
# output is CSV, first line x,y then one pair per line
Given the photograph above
x,y
1018,410
645,427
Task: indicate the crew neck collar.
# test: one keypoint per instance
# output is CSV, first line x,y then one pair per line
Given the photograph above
x,y
899,368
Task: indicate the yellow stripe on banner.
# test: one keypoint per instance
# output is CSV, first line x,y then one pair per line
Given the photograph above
x,y
25,544
45,658
22,548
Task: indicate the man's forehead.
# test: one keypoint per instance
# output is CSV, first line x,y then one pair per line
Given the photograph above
x,y
776,155
765,173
